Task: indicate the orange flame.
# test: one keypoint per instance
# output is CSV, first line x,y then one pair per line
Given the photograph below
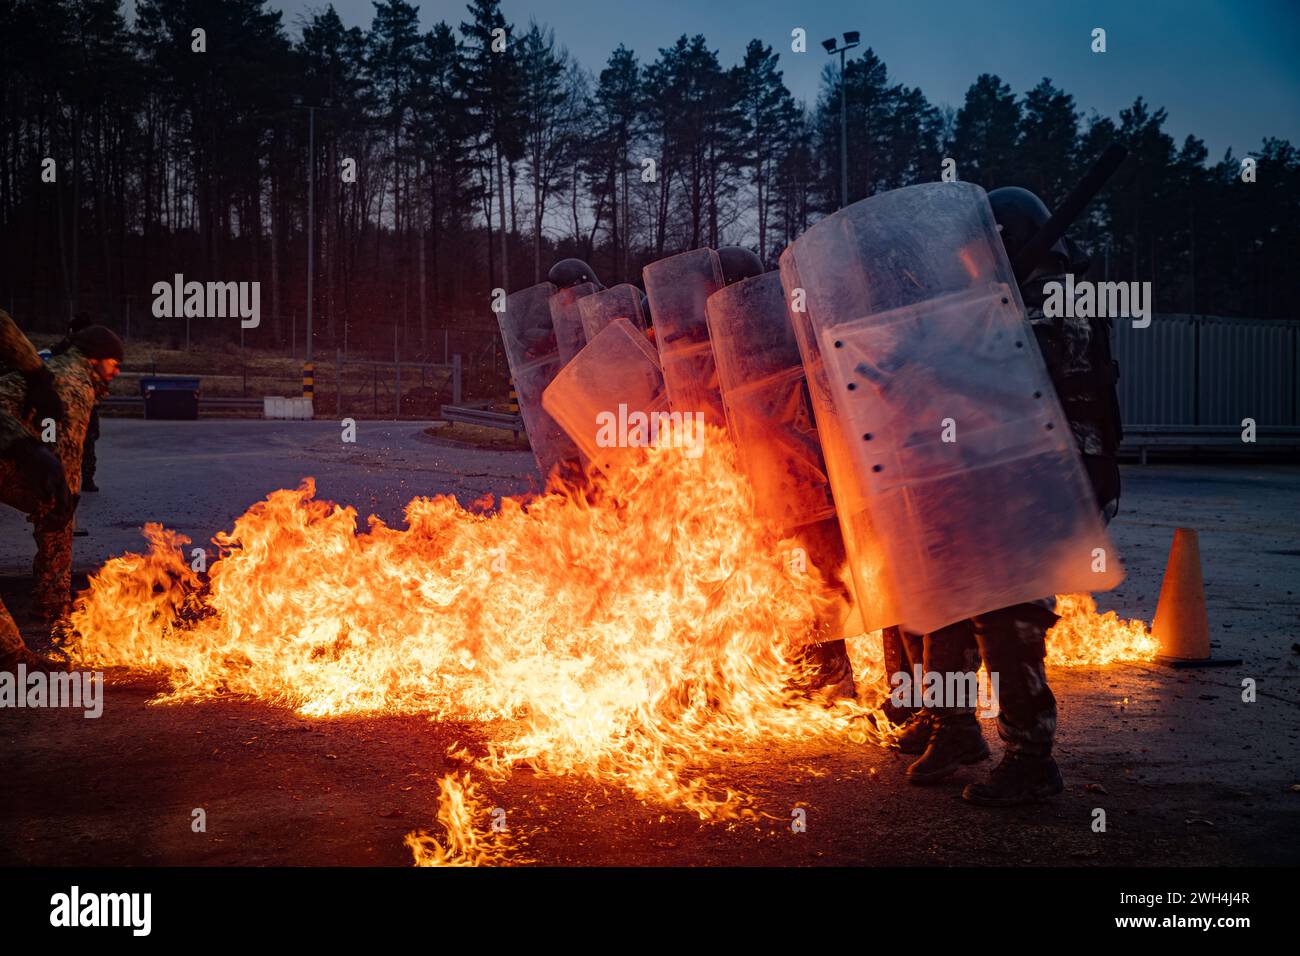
x,y
630,632
1082,637
459,804
634,631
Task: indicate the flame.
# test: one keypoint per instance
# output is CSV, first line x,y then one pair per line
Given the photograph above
x,y
459,805
635,630
1082,637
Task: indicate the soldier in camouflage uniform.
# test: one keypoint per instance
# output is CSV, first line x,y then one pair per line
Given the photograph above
x,y
82,320
23,458
1011,640
80,374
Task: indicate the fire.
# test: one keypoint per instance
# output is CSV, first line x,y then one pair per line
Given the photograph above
x,y
1083,637
633,631
459,805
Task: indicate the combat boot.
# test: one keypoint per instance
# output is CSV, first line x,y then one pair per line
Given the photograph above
x,y
1018,778
827,673
914,735
956,739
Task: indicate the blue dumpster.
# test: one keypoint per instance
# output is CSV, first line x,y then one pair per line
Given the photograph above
x,y
174,398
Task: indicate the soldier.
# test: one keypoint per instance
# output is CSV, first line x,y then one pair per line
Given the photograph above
x,y
826,670
1011,640
540,339
739,263
81,373
1076,350
902,652
23,456
81,321
945,735
571,272
829,659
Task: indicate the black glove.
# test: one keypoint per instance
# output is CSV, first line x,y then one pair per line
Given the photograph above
x,y
42,395
42,468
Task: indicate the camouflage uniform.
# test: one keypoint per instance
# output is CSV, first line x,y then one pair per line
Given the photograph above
x,y
1084,375
16,353
79,387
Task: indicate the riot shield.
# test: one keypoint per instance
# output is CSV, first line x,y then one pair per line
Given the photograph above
x,y
601,308
771,422
529,339
678,288
764,393
569,337
609,397
955,474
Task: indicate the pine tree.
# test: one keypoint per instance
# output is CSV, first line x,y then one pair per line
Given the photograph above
x,y
617,116
491,80
1048,142
984,140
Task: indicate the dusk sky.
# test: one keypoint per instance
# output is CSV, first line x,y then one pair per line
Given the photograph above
x,y
1228,72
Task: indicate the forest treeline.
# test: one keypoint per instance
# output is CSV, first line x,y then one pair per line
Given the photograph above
x,y
474,167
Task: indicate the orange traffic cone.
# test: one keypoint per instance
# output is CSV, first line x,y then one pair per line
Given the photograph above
x,y
1181,625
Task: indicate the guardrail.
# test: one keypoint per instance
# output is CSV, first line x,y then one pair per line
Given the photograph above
x,y
483,417
1141,439
136,401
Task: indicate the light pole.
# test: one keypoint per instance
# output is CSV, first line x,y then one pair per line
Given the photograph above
x,y
311,215
851,39
308,367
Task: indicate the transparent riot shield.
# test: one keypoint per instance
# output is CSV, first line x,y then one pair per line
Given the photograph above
x,y
569,337
872,585
678,288
608,398
601,308
765,396
952,462
771,421
529,339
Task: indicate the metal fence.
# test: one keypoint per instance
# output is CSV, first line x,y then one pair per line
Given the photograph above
x,y
431,379
1199,370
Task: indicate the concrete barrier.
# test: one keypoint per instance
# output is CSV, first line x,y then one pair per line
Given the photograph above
x,y
275,406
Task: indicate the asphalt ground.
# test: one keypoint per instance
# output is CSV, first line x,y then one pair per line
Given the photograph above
x,y
1187,772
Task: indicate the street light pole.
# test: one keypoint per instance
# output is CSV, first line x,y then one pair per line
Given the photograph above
x,y
308,368
844,134
851,39
311,218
